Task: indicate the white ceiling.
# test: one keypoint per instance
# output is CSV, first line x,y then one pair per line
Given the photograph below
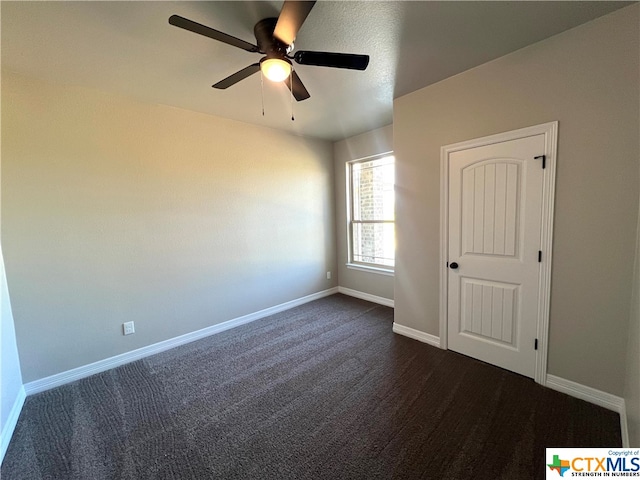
x,y
130,48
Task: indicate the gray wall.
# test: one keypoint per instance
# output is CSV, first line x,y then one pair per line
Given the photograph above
x,y
353,148
11,380
587,79
115,210
632,372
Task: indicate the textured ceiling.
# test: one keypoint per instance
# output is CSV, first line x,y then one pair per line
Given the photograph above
x,y
129,48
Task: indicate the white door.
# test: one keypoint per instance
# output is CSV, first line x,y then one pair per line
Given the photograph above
x,y
494,242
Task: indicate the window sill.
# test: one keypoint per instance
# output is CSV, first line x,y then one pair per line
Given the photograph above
x,y
366,268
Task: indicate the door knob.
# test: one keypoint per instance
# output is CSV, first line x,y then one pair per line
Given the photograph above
x,y
453,265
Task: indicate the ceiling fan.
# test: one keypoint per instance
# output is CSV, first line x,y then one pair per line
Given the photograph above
x,y
274,38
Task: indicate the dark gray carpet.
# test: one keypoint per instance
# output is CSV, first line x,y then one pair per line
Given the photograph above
x,y
322,391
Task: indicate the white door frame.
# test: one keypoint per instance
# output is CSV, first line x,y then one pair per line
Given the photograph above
x,y
550,131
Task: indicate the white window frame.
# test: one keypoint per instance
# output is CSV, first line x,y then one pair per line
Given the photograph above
x,y
352,264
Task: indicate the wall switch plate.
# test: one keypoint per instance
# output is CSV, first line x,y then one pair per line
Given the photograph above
x,y
128,328
328,275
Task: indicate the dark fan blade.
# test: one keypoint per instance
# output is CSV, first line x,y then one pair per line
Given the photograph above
x,y
192,26
236,77
299,91
335,60
291,18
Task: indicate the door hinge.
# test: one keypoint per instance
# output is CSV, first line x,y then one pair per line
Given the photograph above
x,y
535,344
544,160
539,256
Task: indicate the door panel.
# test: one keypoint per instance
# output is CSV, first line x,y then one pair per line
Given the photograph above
x,y
495,222
490,216
488,310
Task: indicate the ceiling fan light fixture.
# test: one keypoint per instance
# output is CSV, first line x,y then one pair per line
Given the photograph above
x,y
275,69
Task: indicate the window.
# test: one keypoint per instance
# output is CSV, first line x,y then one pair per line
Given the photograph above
x,y
371,213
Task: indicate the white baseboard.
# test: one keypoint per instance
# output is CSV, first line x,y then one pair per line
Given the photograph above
x,y
416,335
12,421
100,366
597,397
387,302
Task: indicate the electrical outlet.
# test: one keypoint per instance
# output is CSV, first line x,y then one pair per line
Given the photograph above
x,y
328,275
128,328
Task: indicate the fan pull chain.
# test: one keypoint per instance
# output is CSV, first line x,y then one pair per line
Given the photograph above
x,y
291,83
262,91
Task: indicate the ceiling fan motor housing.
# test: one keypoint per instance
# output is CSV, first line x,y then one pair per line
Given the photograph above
x,y
267,43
